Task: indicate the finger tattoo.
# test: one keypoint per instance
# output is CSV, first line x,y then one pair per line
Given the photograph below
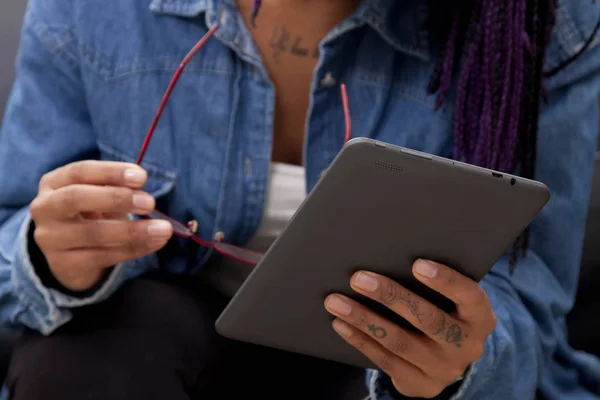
x,y
452,333
455,335
391,295
377,331
441,322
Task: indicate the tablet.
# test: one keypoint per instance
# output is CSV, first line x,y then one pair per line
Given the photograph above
x,y
378,207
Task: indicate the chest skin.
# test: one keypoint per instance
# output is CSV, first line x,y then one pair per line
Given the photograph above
x,y
287,35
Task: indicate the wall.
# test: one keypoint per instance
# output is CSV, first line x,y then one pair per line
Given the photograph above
x,y
11,17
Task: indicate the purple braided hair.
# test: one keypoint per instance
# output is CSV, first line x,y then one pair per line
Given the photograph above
x,y
490,28
506,83
505,42
462,143
500,84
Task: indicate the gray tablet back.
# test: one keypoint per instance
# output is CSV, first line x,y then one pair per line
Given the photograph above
x,y
378,207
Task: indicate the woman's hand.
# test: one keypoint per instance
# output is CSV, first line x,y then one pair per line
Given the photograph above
x,y
420,365
81,222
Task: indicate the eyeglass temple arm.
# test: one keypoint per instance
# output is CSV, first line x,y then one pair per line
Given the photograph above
x,y
347,118
172,84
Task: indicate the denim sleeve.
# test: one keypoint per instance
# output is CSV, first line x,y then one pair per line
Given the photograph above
x,y
46,125
528,350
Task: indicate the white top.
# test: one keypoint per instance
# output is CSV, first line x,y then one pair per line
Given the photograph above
x,y
285,193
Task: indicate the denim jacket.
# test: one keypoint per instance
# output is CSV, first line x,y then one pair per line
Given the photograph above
x,y
90,75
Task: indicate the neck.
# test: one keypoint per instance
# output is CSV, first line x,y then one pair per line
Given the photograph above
x,y
321,12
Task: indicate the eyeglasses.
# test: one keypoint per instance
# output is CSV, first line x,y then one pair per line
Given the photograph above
x,y
190,229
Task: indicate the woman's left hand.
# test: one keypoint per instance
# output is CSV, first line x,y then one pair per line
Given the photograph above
x,y
420,365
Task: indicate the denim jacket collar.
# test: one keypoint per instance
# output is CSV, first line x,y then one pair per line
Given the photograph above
x,y
400,23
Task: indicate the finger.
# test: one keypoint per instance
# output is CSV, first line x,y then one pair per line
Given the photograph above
x,y
99,258
408,379
410,346
420,313
93,172
472,303
71,200
101,233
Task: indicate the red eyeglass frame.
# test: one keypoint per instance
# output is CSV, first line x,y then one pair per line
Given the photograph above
x,y
188,231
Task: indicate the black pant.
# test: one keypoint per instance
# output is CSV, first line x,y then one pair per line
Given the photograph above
x,y
155,339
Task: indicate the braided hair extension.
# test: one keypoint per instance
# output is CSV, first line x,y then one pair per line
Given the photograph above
x,y
499,79
500,83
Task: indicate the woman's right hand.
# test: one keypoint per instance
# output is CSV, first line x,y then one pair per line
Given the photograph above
x,y
82,225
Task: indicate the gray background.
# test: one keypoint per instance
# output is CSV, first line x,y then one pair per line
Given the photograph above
x,y
11,18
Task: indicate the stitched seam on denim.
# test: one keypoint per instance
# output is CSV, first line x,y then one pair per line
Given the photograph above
x,y
101,65
110,71
254,214
569,37
53,43
567,34
227,158
168,61
199,71
62,48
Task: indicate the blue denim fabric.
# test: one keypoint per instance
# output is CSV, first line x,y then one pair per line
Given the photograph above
x,y
91,74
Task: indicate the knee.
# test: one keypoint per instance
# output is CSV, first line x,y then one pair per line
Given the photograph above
x,y
66,368
148,338
41,368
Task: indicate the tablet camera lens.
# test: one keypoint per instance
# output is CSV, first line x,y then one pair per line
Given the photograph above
x,y
513,181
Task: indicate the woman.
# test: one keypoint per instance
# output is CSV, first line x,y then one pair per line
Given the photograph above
x,y
116,307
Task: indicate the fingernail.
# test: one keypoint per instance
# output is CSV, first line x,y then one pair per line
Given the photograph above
x,y
143,201
338,306
135,175
426,268
342,328
366,282
159,229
